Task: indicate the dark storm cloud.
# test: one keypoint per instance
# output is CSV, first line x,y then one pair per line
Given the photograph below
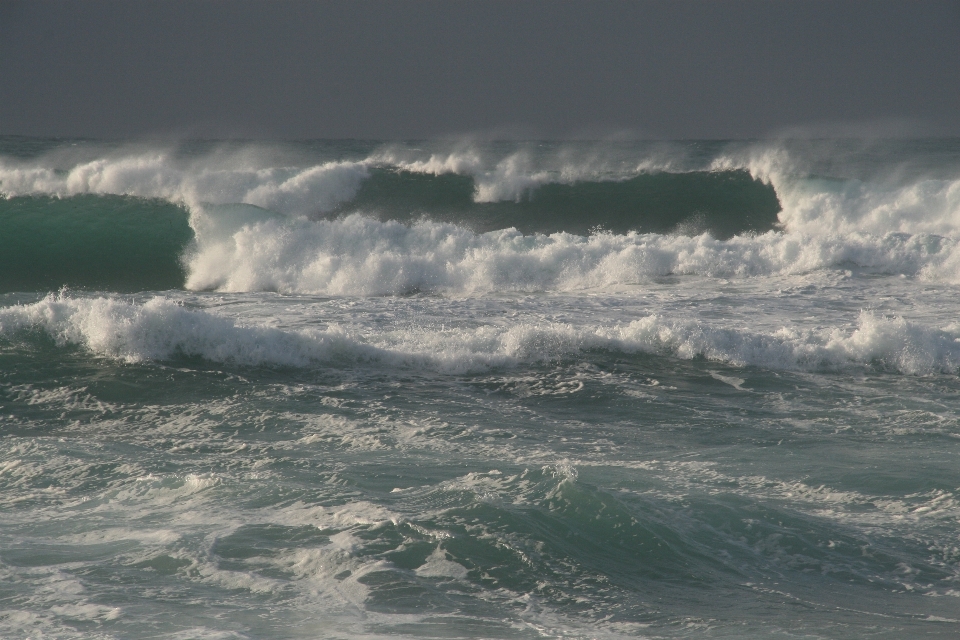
x,y
419,69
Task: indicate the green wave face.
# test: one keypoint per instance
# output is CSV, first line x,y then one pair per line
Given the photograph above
x,y
105,242
723,203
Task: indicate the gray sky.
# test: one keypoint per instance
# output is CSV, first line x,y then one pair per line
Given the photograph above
x,y
410,69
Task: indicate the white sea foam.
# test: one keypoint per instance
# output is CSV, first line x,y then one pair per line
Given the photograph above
x,y
511,178
161,329
357,255
438,566
516,175
838,207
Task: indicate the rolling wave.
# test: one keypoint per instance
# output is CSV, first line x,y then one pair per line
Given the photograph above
x,y
455,223
161,329
357,255
723,203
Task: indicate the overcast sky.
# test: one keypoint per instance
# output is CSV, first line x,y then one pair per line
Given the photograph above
x,y
412,69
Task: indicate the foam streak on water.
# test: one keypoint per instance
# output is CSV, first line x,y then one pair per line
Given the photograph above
x,y
500,390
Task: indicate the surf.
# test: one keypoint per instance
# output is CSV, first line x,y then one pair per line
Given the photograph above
x,y
382,222
161,329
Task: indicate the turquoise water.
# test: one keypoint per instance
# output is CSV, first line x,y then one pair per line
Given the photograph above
x,y
501,390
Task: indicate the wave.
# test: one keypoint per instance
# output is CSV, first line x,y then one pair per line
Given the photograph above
x,y
357,255
818,205
723,203
514,175
160,329
105,242
161,175
391,222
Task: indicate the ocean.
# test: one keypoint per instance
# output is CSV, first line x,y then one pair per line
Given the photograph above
x,y
473,389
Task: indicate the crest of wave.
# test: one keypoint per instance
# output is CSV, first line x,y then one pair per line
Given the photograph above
x,y
293,190
510,178
160,329
514,176
819,206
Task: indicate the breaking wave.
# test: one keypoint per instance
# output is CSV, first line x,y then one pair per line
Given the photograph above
x,y
357,255
161,329
395,221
